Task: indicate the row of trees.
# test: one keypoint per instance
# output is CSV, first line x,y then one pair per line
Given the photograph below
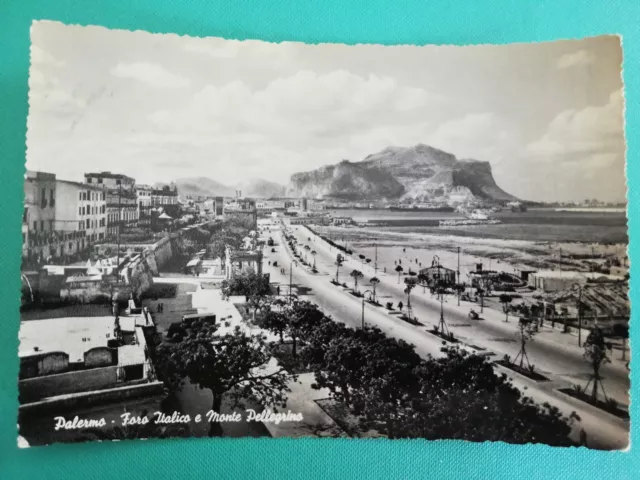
x,y
391,388
381,380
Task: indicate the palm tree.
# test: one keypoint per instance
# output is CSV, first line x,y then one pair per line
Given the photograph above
x,y
356,275
314,253
399,269
374,282
361,257
410,285
338,264
307,248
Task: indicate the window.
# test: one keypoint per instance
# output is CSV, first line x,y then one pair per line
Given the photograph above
x,y
79,210
100,180
41,224
52,200
70,246
51,225
35,225
89,179
79,195
43,201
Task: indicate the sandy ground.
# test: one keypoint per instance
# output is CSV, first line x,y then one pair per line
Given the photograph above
x,y
507,255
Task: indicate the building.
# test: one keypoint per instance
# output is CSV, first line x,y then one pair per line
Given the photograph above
x,y
38,220
243,210
439,274
80,356
219,206
122,204
61,218
556,280
242,261
167,195
111,181
143,194
81,208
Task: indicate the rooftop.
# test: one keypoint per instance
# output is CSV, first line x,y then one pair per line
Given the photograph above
x,y
72,335
84,186
109,175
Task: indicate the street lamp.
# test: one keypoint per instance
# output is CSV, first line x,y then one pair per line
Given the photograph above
x,y
364,294
578,287
293,263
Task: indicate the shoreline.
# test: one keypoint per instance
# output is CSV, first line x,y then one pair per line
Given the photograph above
x,y
511,255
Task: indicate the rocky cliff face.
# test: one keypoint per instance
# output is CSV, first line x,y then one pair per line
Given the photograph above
x,y
346,181
413,174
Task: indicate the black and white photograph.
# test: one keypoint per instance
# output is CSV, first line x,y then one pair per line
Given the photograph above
x,y
237,238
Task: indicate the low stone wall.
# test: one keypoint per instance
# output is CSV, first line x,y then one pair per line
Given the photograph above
x,y
96,397
34,389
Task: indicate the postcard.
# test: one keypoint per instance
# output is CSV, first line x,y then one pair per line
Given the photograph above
x,y
228,238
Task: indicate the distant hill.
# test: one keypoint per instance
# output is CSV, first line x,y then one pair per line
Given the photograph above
x,y
408,174
207,187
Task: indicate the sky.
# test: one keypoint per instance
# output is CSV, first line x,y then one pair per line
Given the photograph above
x,y
547,116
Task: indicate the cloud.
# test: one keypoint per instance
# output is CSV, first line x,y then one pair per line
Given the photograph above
x,y
41,57
151,74
581,58
573,134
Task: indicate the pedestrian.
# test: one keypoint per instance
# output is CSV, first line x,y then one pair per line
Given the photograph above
x,y
583,438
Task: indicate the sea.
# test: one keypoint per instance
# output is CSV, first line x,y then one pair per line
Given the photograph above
x,y
537,225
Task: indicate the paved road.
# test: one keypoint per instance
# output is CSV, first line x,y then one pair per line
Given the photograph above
x,y
552,353
604,430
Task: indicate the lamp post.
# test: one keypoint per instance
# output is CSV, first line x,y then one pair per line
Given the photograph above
x,y
458,276
364,294
293,263
578,287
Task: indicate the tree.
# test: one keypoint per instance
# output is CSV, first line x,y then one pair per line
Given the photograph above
x,y
399,269
253,286
356,275
361,257
314,253
374,282
461,397
595,352
371,374
527,328
622,331
338,263
410,284
232,364
302,317
275,320
506,300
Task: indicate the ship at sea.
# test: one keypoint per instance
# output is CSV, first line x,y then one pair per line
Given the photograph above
x,y
472,217
421,208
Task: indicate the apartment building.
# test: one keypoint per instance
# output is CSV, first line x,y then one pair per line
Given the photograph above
x,y
61,218
121,197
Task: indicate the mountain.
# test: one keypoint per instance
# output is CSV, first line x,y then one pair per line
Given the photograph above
x,y
206,187
407,174
347,181
203,187
259,188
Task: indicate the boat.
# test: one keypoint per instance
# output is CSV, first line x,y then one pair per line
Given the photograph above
x,y
475,217
416,208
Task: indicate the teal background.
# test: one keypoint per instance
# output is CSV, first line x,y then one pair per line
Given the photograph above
x,y
355,21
